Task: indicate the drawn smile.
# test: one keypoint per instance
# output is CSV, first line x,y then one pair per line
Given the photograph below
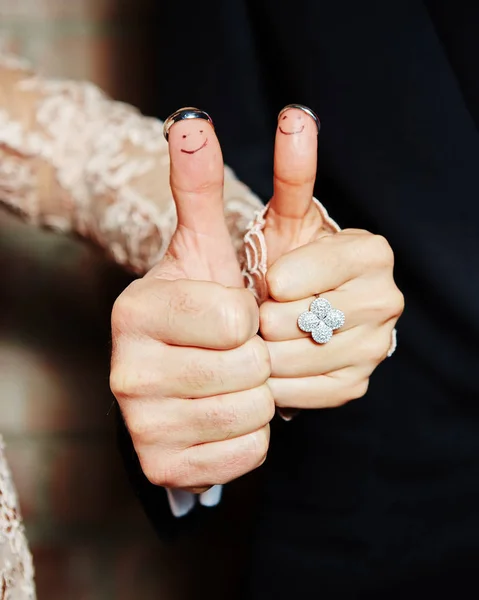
x,y
291,132
197,149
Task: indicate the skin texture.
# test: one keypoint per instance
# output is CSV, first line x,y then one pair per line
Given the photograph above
x,y
197,366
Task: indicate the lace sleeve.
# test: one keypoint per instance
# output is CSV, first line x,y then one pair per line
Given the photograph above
x,y
16,569
74,160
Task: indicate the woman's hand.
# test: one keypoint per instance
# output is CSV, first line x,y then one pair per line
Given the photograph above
x,y
352,269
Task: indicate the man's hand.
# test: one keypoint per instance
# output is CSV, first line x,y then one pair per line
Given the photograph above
x,y
353,269
188,370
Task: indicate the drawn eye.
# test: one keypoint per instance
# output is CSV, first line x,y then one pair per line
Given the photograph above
x,y
201,131
285,117
184,137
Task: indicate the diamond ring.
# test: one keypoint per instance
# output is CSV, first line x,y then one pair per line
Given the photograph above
x,y
321,320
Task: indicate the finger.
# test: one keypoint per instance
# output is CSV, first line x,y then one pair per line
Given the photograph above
x,y
163,371
323,391
326,264
362,300
201,243
187,313
230,415
295,162
206,464
196,172
179,424
362,346
222,462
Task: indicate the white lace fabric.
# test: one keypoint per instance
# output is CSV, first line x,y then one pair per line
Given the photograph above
x,y
16,569
74,160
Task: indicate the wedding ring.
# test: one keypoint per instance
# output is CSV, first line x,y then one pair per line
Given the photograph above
x,y
181,115
321,320
305,109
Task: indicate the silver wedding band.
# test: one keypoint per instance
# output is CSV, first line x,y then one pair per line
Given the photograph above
x,y
189,112
305,109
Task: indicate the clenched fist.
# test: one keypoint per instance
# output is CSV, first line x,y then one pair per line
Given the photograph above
x,y
188,369
308,256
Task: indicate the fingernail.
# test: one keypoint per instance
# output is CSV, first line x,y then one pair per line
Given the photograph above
x,y
293,130
182,114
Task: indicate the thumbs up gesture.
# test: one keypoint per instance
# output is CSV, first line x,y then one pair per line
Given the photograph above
x,y
197,366
188,368
324,350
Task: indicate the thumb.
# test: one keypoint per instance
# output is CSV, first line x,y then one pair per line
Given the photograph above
x,y
295,162
196,172
196,178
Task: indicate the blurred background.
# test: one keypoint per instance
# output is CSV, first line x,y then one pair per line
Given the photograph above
x,y
88,535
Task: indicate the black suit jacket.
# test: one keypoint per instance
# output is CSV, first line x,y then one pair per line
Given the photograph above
x,y
390,483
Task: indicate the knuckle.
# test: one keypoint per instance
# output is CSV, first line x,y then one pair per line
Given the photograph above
x,y
136,427
267,319
249,456
350,391
119,384
275,281
374,348
359,389
354,232
169,476
260,445
398,303
258,360
341,396
173,472
156,468
145,430
248,453
390,304
124,311
265,403
127,383
381,251
238,320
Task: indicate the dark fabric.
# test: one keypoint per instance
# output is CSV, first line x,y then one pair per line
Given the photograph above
x,y
153,498
377,499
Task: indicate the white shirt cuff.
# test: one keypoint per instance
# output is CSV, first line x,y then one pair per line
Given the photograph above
x,y
181,502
